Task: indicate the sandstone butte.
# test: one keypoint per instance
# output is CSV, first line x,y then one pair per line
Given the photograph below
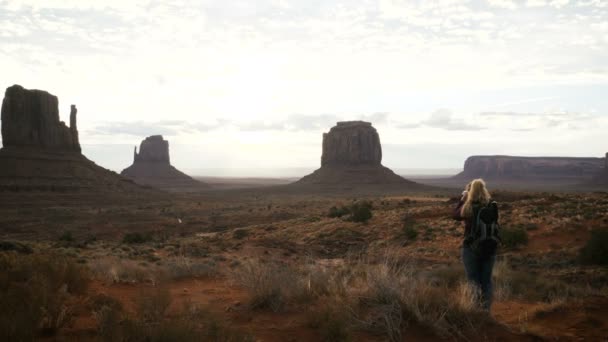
x,y
352,155
152,167
41,153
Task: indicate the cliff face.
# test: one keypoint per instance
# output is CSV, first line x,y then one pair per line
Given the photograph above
x,y
352,156
152,167
40,153
153,149
509,167
351,143
30,118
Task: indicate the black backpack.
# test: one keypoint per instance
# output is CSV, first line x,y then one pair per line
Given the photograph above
x,y
485,233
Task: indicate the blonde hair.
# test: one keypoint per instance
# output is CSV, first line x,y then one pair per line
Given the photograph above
x,y
477,192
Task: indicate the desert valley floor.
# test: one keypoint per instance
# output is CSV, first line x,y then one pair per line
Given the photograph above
x,y
261,265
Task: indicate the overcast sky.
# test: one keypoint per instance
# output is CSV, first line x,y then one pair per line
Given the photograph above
x,y
252,84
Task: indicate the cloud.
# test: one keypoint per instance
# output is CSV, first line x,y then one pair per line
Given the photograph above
x,y
507,4
442,119
292,123
143,128
529,121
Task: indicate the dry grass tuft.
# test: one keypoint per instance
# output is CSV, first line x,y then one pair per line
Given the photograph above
x,y
36,292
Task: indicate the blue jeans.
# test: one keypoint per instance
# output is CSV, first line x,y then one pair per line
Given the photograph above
x,y
479,273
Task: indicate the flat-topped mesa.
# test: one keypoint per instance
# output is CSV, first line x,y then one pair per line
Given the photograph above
x,y
512,167
352,159
30,118
153,149
351,143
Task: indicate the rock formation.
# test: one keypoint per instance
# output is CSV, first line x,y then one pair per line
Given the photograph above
x,y
601,177
41,153
152,167
153,149
351,143
30,118
352,155
530,168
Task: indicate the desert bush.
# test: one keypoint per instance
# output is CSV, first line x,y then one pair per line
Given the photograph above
x,y
338,212
513,237
240,234
193,249
509,283
35,293
152,304
272,285
115,270
332,322
595,251
409,228
447,276
67,236
396,296
361,211
189,324
184,267
136,238
109,319
6,246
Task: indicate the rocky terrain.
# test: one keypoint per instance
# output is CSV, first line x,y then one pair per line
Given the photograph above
x,y
152,167
351,157
530,168
41,153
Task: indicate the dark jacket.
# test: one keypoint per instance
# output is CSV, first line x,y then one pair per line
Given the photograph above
x,y
469,221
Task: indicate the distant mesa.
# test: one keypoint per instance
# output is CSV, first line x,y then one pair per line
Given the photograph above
x,y
152,167
352,155
601,177
530,168
41,153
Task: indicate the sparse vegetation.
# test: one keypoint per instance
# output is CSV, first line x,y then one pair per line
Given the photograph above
x,y
338,212
514,237
361,211
329,277
136,238
595,251
35,293
271,284
332,322
240,234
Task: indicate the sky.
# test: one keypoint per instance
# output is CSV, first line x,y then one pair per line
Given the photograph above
x,y
247,87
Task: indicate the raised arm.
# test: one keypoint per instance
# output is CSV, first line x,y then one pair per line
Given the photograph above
x,y
456,215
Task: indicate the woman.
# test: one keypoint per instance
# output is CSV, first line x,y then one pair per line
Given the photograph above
x,y
478,264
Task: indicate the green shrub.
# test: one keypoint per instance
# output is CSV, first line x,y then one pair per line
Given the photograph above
x,y
595,251
136,238
338,212
514,237
361,211
66,237
15,246
240,234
